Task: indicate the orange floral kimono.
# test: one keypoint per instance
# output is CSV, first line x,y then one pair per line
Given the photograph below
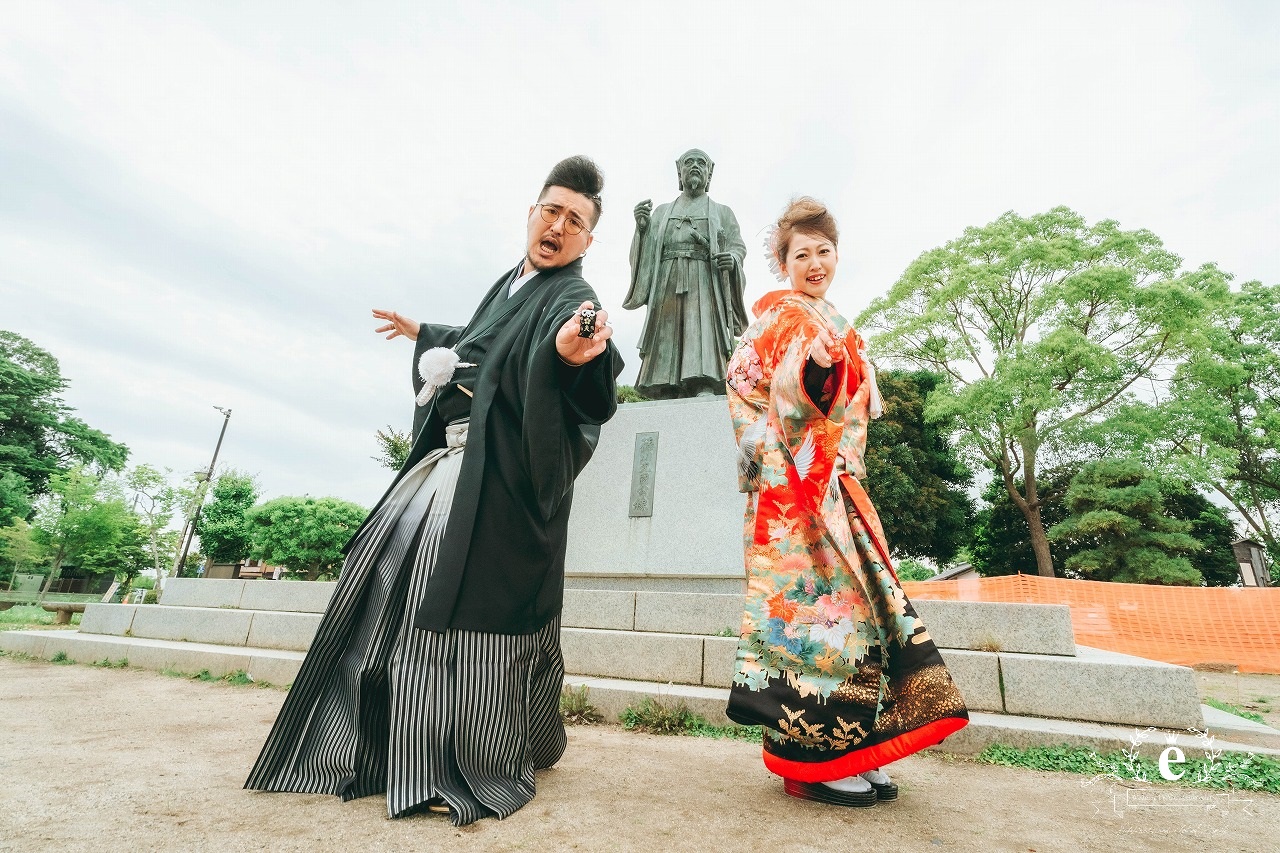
x,y
833,660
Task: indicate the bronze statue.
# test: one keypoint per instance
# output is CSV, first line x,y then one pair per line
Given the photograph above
x,y
686,265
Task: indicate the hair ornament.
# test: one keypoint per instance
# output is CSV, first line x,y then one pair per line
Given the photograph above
x,y
771,254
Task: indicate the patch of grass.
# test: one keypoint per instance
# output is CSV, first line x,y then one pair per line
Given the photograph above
x,y
1233,709
173,673
108,663
576,708
660,718
17,655
239,677
726,632
29,616
61,657
1224,770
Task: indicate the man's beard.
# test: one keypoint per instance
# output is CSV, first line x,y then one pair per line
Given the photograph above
x,y
538,265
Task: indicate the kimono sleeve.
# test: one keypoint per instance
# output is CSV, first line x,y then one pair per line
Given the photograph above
x,y
564,406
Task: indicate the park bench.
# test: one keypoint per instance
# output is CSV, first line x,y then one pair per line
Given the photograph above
x,y
62,604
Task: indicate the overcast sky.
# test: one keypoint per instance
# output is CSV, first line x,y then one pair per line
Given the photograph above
x,y
200,202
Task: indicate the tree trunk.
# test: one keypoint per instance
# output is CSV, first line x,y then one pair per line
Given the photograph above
x,y
1039,542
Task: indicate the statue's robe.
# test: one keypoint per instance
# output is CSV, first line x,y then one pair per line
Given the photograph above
x,y
695,309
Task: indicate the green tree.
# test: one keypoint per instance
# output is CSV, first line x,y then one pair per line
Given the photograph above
x,y
82,518
15,496
1118,517
913,570
914,476
395,447
1043,325
39,436
19,550
123,555
1219,424
1002,543
153,501
223,526
304,535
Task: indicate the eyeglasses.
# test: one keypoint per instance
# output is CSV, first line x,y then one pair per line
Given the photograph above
x,y
572,224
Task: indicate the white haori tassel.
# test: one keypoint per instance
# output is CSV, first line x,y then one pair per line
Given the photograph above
x,y
436,367
875,405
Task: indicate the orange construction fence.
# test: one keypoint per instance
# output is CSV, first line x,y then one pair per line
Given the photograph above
x,y
1176,624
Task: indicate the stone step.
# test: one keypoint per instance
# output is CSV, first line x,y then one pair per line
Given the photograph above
x,y
290,596
1090,685
227,626
612,695
978,626
277,666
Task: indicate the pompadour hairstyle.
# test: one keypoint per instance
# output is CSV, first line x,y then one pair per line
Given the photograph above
x,y
804,215
581,175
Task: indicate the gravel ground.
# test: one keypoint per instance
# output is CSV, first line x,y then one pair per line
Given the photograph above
x,y
105,760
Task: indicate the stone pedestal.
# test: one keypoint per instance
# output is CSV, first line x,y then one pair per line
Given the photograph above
x,y
659,499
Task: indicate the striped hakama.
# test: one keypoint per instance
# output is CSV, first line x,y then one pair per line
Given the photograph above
x,y
463,716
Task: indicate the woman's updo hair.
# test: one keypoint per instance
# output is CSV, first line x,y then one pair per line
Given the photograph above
x,y
804,215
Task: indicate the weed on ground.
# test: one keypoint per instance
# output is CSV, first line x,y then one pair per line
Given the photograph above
x,y
661,718
576,708
1233,709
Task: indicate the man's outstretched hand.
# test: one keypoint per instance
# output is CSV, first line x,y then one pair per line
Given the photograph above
x,y
397,324
578,351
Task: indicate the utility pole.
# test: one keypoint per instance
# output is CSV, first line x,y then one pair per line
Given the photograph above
x,y
189,531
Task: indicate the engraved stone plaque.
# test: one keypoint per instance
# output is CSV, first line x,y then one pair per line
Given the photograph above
x,y
643,466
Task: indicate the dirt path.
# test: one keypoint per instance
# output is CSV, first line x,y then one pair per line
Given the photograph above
x,y
106,760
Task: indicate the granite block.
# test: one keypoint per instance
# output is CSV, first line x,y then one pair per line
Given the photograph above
x,y
1101,686
719,661
275,669
202,592
977,675
220,626
998,627
598,608
287,596
115,619
696,525
24,642
279,630
631,655
688,613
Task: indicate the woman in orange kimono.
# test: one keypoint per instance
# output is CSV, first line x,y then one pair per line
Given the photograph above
x,y
833,661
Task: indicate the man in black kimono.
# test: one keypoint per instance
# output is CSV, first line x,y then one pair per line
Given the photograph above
x,y
436,672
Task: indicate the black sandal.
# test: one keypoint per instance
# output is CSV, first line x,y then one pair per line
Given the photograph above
x,y
885,792
822,794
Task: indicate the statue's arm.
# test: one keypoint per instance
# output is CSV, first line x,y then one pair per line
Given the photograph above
x,y
638,293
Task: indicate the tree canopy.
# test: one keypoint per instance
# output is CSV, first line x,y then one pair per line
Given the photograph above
x,y
305,535
224,528
914,476
39,435
1042,326
1002,544
1117,516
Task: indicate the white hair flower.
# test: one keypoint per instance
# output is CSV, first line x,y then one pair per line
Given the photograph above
x,y
771,251
436,367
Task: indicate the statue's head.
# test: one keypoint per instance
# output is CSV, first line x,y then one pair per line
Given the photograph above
x,y
568,208
693,169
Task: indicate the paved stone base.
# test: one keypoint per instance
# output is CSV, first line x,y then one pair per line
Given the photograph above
x,y
273,665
